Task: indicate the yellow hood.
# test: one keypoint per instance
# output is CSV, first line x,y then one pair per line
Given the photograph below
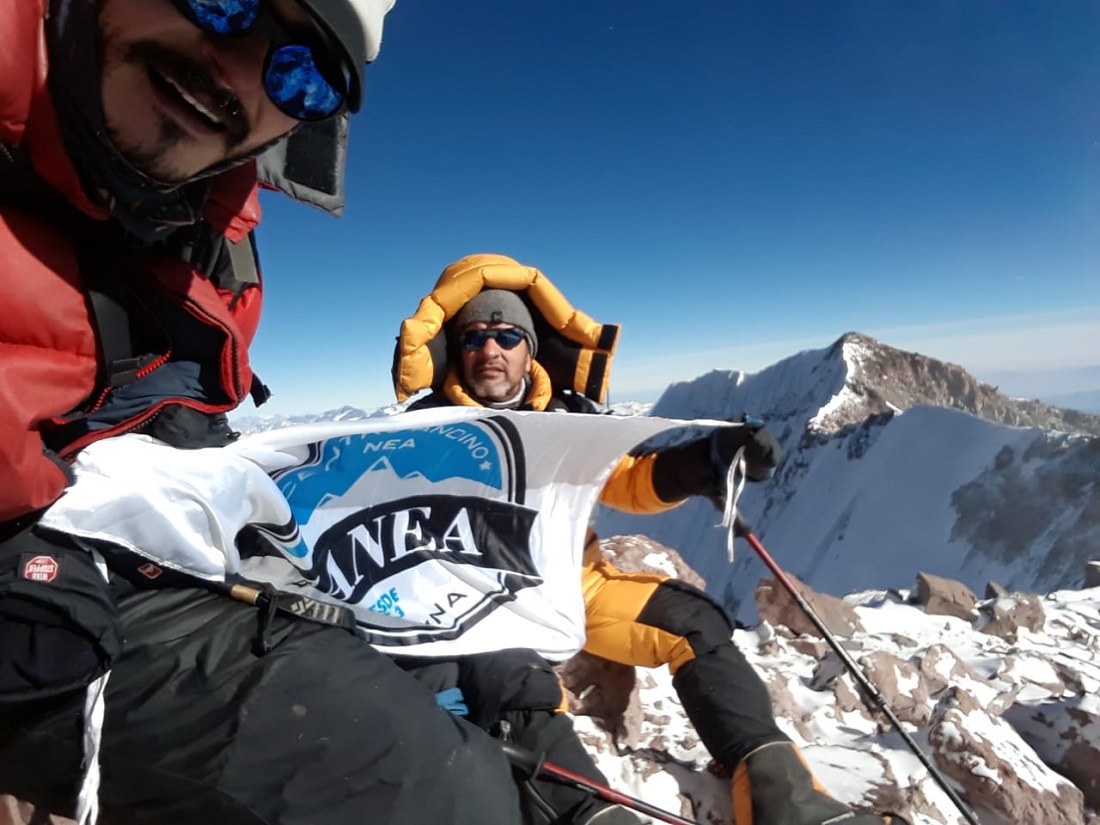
x,y
574,349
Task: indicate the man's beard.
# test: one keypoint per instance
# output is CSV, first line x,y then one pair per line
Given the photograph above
x,y
150,158
155,157
495,391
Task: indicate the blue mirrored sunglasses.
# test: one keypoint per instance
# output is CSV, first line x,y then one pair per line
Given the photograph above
x,y
506,337
300,76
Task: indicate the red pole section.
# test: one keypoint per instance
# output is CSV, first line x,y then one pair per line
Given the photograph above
x,y
612,795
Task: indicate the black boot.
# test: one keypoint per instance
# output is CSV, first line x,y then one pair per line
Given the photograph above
x,y
773,786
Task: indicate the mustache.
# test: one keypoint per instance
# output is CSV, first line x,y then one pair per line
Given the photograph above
x,y
198,81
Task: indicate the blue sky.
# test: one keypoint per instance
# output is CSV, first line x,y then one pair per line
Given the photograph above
x,y
731,181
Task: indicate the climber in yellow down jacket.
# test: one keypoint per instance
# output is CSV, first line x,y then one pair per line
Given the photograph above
x,y
474,340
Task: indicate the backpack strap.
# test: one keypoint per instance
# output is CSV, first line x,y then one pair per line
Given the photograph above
x,y
100,247
98,250
106,297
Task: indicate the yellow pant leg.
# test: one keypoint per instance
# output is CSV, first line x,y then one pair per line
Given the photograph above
x,y
613,602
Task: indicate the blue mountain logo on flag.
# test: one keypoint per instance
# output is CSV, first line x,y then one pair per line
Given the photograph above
x,y
462,450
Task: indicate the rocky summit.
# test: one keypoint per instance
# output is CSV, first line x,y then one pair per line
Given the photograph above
x,y
1000,692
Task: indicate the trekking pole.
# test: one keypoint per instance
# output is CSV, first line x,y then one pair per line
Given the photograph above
x,y
743,528
534,765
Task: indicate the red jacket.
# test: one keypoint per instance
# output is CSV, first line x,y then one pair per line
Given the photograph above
x,y
48,356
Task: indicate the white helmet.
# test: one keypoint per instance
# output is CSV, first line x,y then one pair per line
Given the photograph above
x,y
356,27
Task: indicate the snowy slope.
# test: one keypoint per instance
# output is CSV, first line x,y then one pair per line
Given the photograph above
x,y
873,492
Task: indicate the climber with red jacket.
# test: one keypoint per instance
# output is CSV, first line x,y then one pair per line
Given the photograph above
x,y
134,135
495,333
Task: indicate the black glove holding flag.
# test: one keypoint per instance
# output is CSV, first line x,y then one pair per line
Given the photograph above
x,y
762,451
699,467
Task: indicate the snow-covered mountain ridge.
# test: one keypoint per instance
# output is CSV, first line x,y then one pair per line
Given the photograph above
x,y
857,378
892,380
896,464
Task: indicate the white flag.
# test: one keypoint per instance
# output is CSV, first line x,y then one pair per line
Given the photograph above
x,y
447,531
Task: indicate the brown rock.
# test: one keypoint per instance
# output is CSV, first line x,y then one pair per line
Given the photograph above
x,y
995,767
628,553
901,685
888,379
940,667
1065,733
945,597
628,730
914,801
888,795
1009,613
814,648
1081,766
777,607
849,698
598,688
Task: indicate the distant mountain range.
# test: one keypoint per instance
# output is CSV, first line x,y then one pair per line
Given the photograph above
x,y
263,423
1050,386
1085,400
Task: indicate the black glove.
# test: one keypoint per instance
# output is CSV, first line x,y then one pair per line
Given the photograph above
x,y
699,467
762,452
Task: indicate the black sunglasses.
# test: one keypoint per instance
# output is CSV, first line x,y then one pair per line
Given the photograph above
x,y
506,337
300,75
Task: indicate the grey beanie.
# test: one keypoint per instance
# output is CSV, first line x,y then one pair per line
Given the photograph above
x,y
498,306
